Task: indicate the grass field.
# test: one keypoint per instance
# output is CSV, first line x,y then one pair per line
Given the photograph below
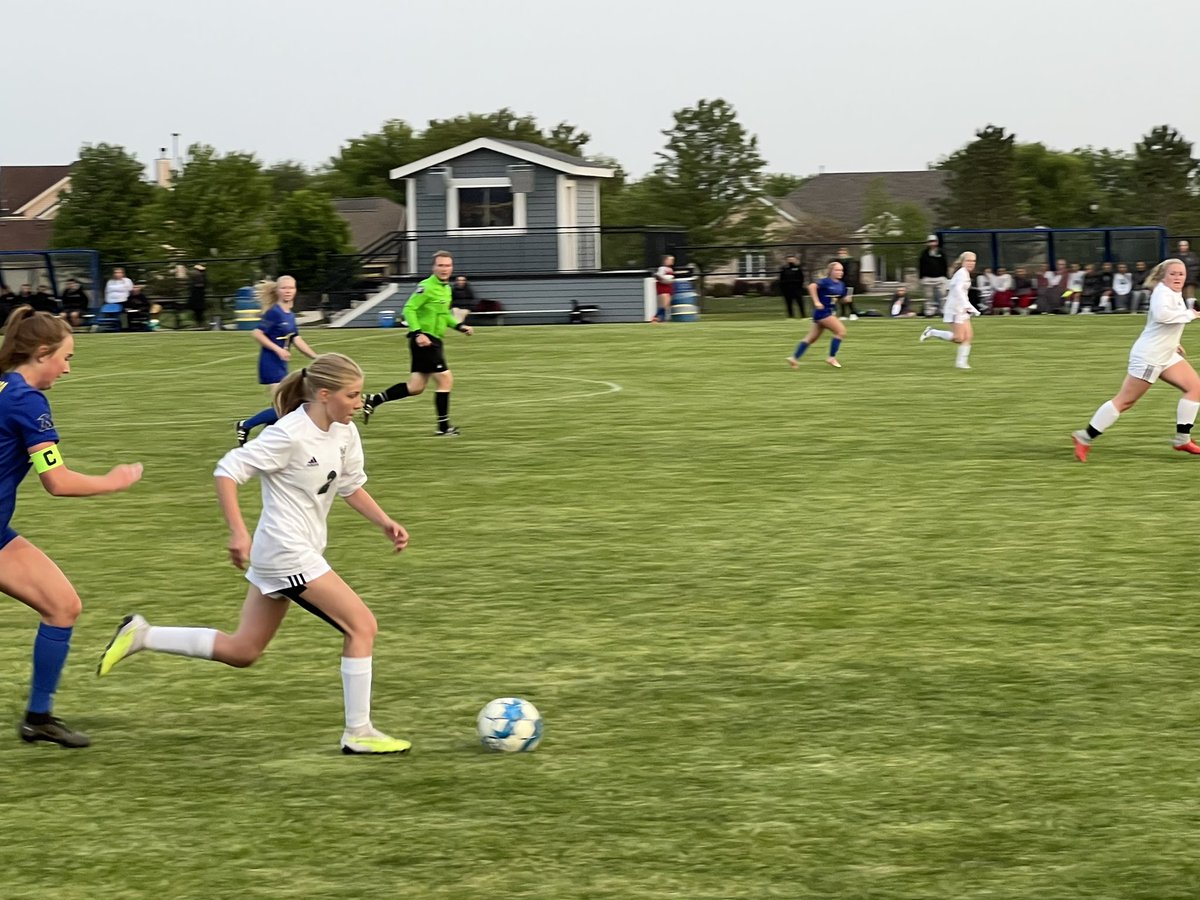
x,y
869,633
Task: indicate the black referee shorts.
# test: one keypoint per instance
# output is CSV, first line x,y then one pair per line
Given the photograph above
x,y
427,360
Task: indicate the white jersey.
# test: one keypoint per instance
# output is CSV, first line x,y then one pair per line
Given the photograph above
x,y
302,468
958,298
1168,314
117,290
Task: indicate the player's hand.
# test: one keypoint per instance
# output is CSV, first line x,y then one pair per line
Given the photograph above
x,y
423,340
397,534
239,548
284,353
467,329
125,476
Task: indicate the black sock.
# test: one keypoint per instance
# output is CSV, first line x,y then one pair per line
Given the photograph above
x,y
396,392
441,400
35,718
1093,433
1184,429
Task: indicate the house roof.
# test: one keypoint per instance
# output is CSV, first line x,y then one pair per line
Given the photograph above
x,y
370,218
21,184
526,152
841,196
26,234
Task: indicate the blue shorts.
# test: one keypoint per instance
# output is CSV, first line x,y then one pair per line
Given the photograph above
x,y
271,369
6,536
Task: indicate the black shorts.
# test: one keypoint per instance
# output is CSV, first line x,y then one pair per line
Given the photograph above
x,y
427,360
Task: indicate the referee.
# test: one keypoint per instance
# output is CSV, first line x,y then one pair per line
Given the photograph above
x,y
428,315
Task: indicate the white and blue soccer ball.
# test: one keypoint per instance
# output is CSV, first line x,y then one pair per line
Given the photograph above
x,y
510,724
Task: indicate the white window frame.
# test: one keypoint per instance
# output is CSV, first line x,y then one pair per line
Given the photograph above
x,y
452,226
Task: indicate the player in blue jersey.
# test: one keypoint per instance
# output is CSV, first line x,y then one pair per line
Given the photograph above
x,y
37,352
825,293
278,334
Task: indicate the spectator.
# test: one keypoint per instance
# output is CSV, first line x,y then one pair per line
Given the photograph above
x,y
1105,297
664,287
8,302
26,295
137,309
899,307
850,271
1092,285
791,285
1074,292
1024,292
462,299
1051,283
985,287
1140,295
932,267
1192,262
198,294
75,303
118,288
1002,298
1122,288
43,302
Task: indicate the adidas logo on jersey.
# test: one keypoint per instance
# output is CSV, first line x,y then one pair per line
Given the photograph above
x,y
313,462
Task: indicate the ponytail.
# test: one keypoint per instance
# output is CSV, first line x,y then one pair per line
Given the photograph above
x,y
26,332
331,371
267,295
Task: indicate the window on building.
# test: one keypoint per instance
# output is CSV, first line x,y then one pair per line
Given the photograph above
x,y
485,207
754,265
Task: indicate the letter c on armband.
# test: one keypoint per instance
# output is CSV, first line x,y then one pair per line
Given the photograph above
x,y
45,460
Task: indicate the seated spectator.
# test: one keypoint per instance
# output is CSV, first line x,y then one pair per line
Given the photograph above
x,y
1051,284
1122,288
899,306
462,298
26,295
1140,296
1002,292
8,302
1074,292
1024,292
43,302
1092,286
1105,296
75,303
985,287
137,309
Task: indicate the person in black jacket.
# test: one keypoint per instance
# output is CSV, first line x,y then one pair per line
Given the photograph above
x,y
791,285
462,298
932,269
198,294
74,302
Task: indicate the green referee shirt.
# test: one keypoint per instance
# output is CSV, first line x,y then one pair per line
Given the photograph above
x,y
428,309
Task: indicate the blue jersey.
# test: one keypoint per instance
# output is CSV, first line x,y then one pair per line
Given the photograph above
x,y
280,327
829,291
24,422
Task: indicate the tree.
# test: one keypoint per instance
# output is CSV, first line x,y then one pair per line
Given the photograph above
x,y
288,176
308,232
442,134
982,183
780,184
709,177
218,206
362,168
1056,188
1110,172
104,209
1164,171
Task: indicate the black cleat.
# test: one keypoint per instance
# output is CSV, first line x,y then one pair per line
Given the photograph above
x,y
243,433
56,731
448,431
370,401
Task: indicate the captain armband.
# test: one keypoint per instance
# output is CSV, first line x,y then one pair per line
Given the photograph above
x,y
45,460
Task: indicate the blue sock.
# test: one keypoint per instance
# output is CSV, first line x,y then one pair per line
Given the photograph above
x,y
800,348
267,417
833,346
662,314
50,649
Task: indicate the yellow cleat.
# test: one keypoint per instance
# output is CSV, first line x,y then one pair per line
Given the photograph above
x,y
373,742
127,641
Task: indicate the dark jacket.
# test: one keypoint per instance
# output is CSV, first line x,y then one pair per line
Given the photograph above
x,y
791,277
75,298
462,296
933,264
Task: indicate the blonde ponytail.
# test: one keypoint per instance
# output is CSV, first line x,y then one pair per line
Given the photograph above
x,y
267,295
331,371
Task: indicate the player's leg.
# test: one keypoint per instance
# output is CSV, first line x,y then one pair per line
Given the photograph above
x,y
813,334
265,417
837,333
963,332
1132,389
334,601
1182,376
443,383
28,575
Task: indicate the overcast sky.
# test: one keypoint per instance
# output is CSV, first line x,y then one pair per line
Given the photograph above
x,y
850,86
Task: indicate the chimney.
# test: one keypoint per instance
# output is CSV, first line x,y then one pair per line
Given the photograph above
x,y
162,169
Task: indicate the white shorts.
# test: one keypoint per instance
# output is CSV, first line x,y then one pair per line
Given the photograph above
x,y
1145,372
955,315
272,585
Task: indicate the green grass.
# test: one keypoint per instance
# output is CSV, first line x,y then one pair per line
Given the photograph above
x,y
869,633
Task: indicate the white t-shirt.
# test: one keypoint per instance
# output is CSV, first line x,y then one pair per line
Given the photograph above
x,y
301,468
117,290
1002,282
1168,314
1122,283
1075,281
957,296
665,275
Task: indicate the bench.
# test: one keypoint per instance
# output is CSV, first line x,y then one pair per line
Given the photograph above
x,y
576,316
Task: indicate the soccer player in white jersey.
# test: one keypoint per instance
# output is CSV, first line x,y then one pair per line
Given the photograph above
x,y
1156,354
304,460
957,311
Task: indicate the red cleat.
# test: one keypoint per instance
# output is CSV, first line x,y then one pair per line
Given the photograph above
x,y
1189,447
1081,448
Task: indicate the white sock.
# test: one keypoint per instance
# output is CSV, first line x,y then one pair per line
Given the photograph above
x,y
964,351
1074,307
1105,417
194,642
1186,415
941,334
356,689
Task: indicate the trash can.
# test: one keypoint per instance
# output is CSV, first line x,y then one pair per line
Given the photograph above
x,y
387,319
246,314
685,305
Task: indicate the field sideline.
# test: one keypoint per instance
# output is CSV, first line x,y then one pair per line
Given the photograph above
x,y
868,633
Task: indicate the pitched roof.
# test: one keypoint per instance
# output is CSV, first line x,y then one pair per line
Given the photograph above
x,y
526,152
20,184
26,234
841,196
370,218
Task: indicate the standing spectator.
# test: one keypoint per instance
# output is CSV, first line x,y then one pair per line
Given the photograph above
x,y
899,304
118,288
198,294
1122,287
1192,262
1140,294
664,286
933,267
851,270
75,303
462,298
791,285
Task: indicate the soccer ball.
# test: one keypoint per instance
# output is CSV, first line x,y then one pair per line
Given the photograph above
x,y
510,724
